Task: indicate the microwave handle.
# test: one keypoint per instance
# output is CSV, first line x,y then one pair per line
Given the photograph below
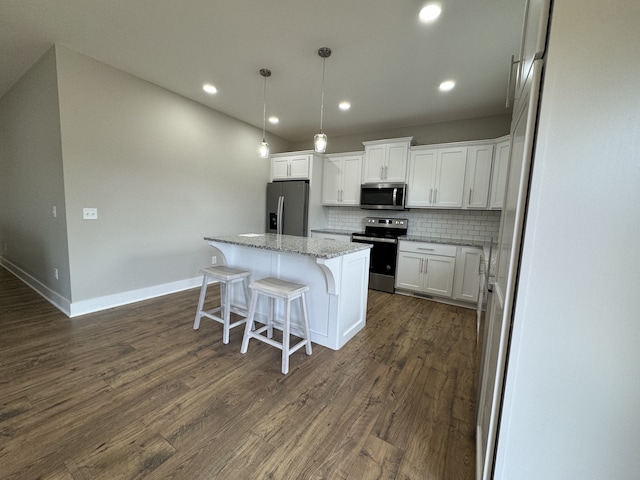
x,y
395,194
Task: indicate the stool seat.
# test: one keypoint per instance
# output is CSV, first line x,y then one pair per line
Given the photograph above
x,y
226,276
278,289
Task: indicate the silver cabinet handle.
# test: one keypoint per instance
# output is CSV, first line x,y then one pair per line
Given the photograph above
x,y
427,249
431,195
435,195
510,79
421,265
470,190
426,265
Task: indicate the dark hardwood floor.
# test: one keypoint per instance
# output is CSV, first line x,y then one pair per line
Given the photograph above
x,y
134,392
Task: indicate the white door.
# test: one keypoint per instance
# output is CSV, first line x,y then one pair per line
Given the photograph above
x,y
422,171
452,163
396,164
373,163
478,176
351,175
409,271
510,239
331,176
439,272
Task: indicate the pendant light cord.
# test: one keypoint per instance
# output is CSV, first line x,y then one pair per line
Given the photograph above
x,y
264,107
322,96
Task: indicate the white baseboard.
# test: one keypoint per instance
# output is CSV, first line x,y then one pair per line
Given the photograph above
x,y
61,303
109,301
74,309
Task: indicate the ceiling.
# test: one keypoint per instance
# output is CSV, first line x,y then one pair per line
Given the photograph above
x,y
384,61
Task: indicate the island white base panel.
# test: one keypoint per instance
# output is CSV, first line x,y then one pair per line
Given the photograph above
x,y
338,288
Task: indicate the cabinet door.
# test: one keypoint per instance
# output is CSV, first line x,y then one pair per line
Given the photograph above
x,y
396,163
374,161
467,276
449,184
438,277
331,176
422,171
351,178
299,166
499,175
280,168
409,271
478,176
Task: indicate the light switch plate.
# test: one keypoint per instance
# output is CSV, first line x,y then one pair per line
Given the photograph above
x,y
90,213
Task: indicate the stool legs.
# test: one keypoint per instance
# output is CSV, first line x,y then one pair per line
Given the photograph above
x,y
226,280
203,294
251,332
250,323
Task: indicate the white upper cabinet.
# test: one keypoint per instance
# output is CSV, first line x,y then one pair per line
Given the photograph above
x,y
386,160
499,175
478,176
341,179
288,166
436,177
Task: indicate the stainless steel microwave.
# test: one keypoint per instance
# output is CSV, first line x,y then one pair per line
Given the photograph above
x,y
383,196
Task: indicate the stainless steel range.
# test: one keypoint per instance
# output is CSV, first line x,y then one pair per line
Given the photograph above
x,y
383,234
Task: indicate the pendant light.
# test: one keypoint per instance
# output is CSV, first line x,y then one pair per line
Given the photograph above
x,y
320,139
264,146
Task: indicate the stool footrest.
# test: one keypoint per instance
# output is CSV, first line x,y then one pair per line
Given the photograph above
x,y
274,343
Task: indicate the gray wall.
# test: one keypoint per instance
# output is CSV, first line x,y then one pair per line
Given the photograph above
x,y
457,131
163,172
31,181
572,392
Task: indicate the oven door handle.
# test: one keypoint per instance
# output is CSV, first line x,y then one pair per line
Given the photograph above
x,y
374,240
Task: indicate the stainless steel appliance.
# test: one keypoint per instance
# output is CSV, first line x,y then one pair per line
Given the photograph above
x,y
383,196
288,207
383,234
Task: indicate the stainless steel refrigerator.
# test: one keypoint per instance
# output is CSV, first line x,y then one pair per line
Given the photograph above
x,y
288,207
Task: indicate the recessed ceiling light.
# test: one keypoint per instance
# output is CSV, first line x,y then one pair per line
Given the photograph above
x,y
274,120
210,89
447,85
430,12
344,106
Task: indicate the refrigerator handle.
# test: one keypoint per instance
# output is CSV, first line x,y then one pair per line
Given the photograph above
x,y
280,205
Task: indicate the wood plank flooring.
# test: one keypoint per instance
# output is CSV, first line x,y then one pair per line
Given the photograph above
x,y
134,392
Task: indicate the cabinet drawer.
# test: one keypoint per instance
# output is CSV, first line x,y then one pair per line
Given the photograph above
x,y
427,248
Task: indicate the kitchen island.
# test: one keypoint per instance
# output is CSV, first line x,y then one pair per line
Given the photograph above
x,y
337,274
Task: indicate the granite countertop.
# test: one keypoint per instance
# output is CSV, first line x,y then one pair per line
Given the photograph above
x,y
332,231
312,247
447,241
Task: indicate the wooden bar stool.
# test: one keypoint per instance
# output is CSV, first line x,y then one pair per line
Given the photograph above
x,y
277,289
227,277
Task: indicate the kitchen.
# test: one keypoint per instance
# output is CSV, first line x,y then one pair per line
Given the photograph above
x,y
134,254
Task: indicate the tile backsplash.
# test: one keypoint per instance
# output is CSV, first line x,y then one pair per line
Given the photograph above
x,y
478,225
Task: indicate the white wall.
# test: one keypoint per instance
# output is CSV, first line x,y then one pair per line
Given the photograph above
x,y
163,172
572,397
32,242
456,131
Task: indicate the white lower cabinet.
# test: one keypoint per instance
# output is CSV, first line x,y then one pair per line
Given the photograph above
x,y
467,275
426,268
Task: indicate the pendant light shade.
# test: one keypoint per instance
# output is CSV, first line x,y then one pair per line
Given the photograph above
x,y
320,139
263,149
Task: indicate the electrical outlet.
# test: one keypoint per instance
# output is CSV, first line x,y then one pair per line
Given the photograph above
x,y
214,260
90,213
